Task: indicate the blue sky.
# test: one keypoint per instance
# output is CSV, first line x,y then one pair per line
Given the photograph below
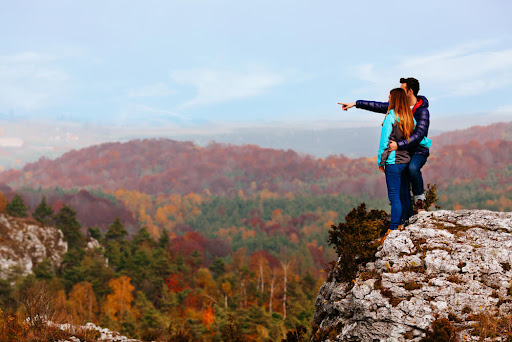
x,y
95,70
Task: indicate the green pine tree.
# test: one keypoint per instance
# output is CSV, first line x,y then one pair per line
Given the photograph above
x,y
164,240
117,249
116,231
17,207
66,221
43,212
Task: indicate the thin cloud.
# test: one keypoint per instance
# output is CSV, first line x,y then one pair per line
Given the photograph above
x,y
464,70
217,86
149,109
153,90
30,81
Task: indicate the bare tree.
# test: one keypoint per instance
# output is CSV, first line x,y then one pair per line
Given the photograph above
x,y
286,267
272,289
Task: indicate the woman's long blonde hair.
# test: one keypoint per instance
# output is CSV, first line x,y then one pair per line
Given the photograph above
x,y
398,102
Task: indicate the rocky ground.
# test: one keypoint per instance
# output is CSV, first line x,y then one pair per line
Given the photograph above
x,y
453,264
106,335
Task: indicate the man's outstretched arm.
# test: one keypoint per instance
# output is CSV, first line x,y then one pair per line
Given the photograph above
x,y
373,106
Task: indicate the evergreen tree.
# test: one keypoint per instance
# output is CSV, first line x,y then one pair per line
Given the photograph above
x,y
66,221
43,212
164,240
17,207
117,250
94,232
217,267
116,231
141,237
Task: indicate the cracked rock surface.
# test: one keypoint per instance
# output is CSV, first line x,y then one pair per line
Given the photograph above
x,y
24,244
443,263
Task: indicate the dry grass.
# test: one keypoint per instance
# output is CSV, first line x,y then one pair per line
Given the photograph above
x,y
489,325
33,321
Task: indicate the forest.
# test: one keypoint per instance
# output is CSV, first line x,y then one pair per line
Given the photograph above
x,y
209,242
256,278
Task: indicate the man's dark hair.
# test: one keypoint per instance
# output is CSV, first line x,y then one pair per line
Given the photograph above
x,y
412,84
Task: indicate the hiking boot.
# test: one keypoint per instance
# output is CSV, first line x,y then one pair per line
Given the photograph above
x,y
382,239
420,206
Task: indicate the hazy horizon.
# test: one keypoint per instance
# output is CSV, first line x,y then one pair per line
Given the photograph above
x,y
75,74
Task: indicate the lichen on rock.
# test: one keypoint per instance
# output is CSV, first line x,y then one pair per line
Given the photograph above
x,y
444,264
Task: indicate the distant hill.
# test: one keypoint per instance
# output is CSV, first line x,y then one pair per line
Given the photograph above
x,y
480,134
472,160
156,166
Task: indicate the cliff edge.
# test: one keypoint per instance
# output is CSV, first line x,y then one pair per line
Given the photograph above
x,y
446,264
24,243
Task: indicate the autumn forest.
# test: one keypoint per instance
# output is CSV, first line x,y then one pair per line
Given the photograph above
x,y
207,243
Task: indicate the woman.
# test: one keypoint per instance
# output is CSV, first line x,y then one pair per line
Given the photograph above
x,y
398,125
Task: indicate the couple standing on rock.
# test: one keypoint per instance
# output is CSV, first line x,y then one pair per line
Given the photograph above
x,y
404,146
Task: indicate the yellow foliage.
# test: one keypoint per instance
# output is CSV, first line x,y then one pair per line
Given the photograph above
x,y
266,194
193,198
204,278
154,231
226,287
289,196
161,216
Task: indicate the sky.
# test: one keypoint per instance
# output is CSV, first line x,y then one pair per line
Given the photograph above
x,y
76,73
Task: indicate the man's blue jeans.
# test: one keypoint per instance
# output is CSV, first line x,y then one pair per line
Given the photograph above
x,y
398,182
417,162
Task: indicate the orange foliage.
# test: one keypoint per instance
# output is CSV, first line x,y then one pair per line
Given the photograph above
x,y
83,301
208,316
3,203
119,301
330,216
248,233
457,207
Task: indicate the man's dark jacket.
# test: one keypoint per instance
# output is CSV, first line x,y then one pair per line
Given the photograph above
x,y
421,115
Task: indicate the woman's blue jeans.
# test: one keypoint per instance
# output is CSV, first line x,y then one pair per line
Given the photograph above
x,y
398,182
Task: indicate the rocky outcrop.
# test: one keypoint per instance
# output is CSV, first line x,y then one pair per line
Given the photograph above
x,y
104,334
24,243
453,264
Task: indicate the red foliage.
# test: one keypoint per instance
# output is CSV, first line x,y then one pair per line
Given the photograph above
x,y
174,283
155,166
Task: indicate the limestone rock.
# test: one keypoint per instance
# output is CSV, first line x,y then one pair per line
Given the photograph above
x,y
455,263
24,244
106,335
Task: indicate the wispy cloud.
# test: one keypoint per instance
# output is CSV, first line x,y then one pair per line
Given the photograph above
x,y
30,81
149,109
464,70
222,85
154,90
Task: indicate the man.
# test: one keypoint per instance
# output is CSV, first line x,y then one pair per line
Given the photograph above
x,y
421,114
